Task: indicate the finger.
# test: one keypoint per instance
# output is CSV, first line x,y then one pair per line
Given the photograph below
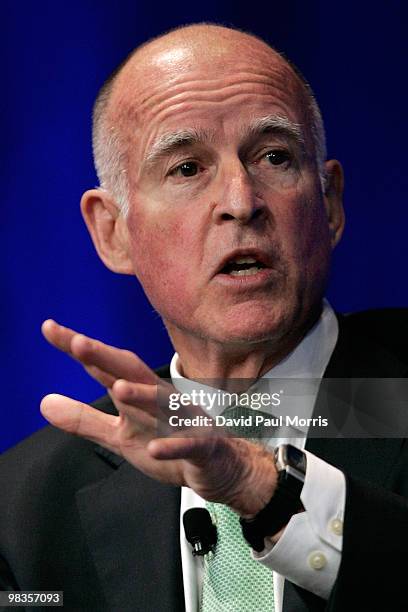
x,y
61,337
105,379
58,335
196,449
136,394
154,400
136,418
103,362
79,419
118,363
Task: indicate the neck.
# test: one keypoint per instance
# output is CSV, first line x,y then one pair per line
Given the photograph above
x,y
205,358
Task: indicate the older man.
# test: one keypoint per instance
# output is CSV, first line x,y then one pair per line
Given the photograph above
x,y
216,193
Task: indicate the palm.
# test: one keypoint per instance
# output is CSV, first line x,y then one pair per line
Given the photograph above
x,y
216,467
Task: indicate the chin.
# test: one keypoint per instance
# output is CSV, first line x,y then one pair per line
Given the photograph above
x,y
251,329
245,336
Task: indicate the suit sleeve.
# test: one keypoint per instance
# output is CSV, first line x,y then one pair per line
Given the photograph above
x,y
7,581
373,573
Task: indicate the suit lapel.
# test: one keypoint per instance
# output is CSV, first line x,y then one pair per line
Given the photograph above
x,y
131,523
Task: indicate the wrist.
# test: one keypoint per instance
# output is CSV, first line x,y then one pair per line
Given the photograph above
x,y
284,502
258,484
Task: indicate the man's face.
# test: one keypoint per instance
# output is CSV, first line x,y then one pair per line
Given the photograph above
x,y
228,232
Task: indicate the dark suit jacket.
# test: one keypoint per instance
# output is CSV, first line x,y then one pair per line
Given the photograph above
x,y
77,518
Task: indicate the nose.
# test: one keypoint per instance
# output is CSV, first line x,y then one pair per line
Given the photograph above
x,y
237,197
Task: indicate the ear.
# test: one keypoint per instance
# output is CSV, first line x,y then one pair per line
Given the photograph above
x,y
108,230
333,199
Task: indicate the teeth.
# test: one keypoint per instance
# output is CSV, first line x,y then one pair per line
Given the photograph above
x,y
245,260
245,272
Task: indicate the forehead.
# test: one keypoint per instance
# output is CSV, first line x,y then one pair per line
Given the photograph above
x,y
197,84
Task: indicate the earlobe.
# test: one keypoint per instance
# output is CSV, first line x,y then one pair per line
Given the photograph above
x,y
333,200
107,229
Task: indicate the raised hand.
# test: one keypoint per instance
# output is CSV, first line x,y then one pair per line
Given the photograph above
x,y
219,468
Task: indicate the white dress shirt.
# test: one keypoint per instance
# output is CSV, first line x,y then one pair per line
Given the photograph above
x,y
309,550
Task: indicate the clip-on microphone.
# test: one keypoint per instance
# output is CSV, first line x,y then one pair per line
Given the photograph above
x,y
200,530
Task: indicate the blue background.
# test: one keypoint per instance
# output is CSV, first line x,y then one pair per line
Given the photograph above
x,y
57,56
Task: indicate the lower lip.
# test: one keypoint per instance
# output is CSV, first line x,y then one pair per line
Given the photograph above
x,y
263,277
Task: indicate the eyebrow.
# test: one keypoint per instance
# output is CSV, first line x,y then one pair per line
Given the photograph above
x,y
168,143
275,124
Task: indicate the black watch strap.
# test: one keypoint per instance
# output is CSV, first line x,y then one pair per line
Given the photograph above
x,y
276,514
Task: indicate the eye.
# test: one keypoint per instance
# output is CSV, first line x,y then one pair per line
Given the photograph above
x,y
186,169
277,157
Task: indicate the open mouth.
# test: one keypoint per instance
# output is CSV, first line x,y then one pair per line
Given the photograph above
x,y
242,266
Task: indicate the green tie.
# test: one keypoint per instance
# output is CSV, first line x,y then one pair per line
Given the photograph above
x,y
251,431
233,581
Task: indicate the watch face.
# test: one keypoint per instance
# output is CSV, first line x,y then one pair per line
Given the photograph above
x,y
296,458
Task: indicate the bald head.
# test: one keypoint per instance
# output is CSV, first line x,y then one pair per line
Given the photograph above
x,y
206,41
127,92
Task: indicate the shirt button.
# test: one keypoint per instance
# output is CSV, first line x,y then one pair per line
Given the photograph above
x,y
317,560
336,526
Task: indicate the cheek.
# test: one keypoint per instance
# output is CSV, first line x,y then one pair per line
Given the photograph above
x,y
304,234
313,249
316,239
161,252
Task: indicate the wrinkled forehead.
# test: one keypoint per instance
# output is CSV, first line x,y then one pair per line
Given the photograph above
x,y
197,64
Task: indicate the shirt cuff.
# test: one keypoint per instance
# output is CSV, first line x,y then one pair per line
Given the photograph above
x,y
309,551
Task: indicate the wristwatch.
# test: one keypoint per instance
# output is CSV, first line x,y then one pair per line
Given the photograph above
x,y
291,466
